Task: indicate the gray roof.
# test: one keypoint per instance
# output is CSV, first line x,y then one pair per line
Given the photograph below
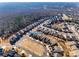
x,y
57,49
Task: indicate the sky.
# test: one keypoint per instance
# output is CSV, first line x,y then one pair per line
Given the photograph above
x,y
39,0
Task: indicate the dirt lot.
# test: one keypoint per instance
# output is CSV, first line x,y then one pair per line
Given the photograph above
x,y
31,45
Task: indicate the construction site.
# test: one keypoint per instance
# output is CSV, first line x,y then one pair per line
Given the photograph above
x,y
55,36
